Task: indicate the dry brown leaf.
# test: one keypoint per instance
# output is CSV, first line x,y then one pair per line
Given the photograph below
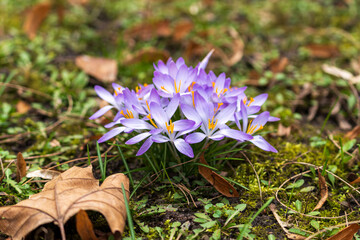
x,y
355,181
283,131
147,30
353,133
236,48
22,107
34,17
278,65
341,73
84,226
78,2
63,197
219,183
347,233
323,191
43,173
147,55
20,167
182,29
322,50
101,68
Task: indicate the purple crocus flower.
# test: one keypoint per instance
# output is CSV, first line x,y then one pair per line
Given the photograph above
x,y
212,121
161,127
252,126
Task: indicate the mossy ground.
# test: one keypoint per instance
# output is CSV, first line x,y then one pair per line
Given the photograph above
x,y
41,72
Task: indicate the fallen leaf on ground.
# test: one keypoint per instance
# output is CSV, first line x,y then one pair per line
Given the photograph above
x,y
63,197
147,30
236,49
43,173
182,29
353,133
147,55
101,68
34,17
278,65
323,191
347,233
84,226
283,131
20,167
78,2
355,181
219,183
22,107
322,50
341,73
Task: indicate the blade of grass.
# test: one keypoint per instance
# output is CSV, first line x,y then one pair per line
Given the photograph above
x,y
328,115
126,166
253,217
101,165
138,185
128,213
7,80
88,153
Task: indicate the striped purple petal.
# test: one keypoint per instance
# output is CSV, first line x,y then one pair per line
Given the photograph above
x,y
112,133
195,137
146,145
138,138
184,147
101,112
261,143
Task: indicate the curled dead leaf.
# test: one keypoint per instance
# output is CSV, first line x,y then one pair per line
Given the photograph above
x,y
147,55
63,197
355,181
34,17
101,68
147,30
219,183
84,226
353,133
323,191
322,50
43,173
347,233
182,29
20,167
279,64
22,107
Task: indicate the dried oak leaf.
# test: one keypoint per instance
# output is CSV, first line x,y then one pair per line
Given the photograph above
x,y
63,197
322,50
147,30
353,133
101,68
84,226
34,17
219,183
347,233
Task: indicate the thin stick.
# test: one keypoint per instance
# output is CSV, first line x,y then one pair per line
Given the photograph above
x,y
257,176
26,89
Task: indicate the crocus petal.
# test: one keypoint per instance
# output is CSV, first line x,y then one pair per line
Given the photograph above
x,y
259,100
244,115
104,94
203,107
101,112
217,137
253,109
160,138
273,119
261,119
173,105
190,113
226,114
136,124
205,61
184,147
260,142
112,133
138,138
235,134
182,125
159,115
146,145
195,137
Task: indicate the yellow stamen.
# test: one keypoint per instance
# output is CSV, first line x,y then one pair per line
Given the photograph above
x,y
137,89
177,90
151,121
170,127
145,84
128,115
251,100
193,98
147,104
212,125
217,109
245,100
213,84
163,88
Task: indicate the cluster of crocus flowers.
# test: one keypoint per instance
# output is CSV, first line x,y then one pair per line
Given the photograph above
x,y
185,106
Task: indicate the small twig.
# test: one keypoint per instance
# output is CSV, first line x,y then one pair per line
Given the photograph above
x,y
22,88
257,176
